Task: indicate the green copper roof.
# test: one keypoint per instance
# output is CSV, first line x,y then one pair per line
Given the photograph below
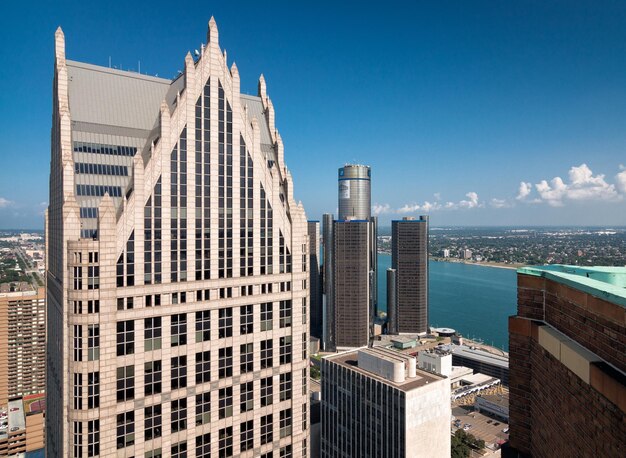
x,y
608,283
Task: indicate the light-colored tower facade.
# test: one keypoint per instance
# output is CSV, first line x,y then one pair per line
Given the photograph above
x,y
177,278
377,403
355,194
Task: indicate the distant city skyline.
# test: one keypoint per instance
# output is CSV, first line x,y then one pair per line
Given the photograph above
x,y
476,114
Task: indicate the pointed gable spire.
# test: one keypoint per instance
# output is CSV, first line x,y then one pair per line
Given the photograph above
x,y
262,87
212,35
59,45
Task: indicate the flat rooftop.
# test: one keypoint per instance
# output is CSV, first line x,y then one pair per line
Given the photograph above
x,y
499,399
479,355
608,283
350,360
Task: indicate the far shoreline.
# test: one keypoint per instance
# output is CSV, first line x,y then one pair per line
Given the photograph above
x,y
496,265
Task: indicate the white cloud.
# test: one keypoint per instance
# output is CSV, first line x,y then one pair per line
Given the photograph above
x,y
524,189
471,202
378,209
582,186
5,202
500,203
621,179
408,208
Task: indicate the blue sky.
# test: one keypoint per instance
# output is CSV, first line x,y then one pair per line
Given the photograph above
x,y
492,113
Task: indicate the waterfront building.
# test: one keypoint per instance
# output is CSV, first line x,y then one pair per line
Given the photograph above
x,y
568,362
375,402
446,253
352,272
22,369
350,257
481,361
315,280
466,254
409,258
177,267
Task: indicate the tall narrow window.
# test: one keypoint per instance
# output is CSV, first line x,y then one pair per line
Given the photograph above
x,y
203,184
93,390
152,334
152,377
178,221
93,342
179,415
125,383
225,185
246,318
246,210
179,329
125,337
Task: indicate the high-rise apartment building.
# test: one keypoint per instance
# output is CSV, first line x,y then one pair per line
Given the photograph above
x,y
22,343
350,262
409,258
22,370
315,280
375,402
568,362
177,278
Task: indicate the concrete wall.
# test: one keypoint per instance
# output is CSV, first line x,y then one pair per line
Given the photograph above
x,y
428,414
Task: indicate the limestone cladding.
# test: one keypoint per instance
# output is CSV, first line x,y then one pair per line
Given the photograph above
x,y
137,320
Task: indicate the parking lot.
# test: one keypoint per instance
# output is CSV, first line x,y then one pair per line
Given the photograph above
x,y
482,426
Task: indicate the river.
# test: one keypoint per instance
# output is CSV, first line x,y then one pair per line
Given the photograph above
x,y
474,300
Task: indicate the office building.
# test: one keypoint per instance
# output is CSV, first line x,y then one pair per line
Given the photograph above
x,y
568,362
328,295
350,257
375,402
352,283
315,280
22,369
177,280
409,258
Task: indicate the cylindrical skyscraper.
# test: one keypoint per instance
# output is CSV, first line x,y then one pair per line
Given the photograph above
x,y
355,200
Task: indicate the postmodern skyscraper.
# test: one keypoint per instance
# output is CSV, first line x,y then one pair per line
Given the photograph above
x,y
409,258
568,362
177,277
350,259
376,402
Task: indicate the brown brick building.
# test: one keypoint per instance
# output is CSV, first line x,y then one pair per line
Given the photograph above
x,y
567,363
